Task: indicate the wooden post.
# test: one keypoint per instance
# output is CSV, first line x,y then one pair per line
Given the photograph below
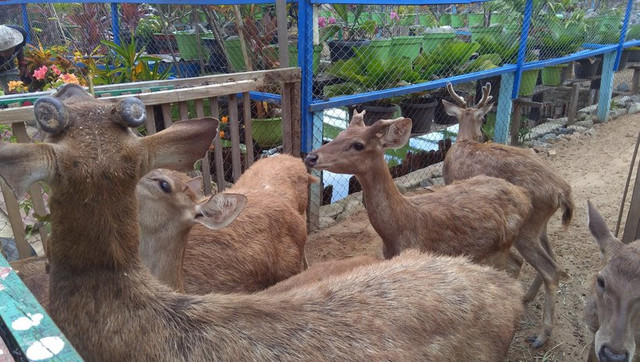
x,y
573,103
636,79
516,118
217,150
236,161
283,43
632,225
248,129
166,115
150,123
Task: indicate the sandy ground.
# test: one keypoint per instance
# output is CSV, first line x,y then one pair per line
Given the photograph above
x,y
596,167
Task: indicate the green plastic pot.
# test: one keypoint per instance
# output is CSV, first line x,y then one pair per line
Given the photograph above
x,y
234,50
267,132
608,22
188,44
492,31
552,75
376,49
475,19
425,20
457,21
431,41
406,46
499,19
445,19
528,82
293,55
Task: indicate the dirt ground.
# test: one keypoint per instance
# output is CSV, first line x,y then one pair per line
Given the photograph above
x,y
596,167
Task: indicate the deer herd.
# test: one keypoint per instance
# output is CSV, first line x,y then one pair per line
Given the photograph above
x,y
141,265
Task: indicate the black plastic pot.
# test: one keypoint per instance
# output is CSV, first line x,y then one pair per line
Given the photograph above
x,y
588,67
343,49
374,111
624,57
440,114
421,111
634,55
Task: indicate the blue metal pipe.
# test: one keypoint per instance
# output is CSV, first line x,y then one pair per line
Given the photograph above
x,y
522,51
305,59
25,22
162,2
115,23
623,33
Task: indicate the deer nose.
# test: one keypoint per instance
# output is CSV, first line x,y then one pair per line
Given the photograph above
x,y
311,160
608,355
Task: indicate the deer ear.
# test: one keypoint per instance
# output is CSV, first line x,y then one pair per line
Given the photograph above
x,y
452,109
195,185
397,133
15,158
357,119
598,227
179,146
220,210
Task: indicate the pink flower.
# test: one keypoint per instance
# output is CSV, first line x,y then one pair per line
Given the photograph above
x,y
40,73
394,16
332,20
321,21
55,70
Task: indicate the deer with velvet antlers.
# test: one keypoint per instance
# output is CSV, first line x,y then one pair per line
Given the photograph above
x,y
414,307
468,158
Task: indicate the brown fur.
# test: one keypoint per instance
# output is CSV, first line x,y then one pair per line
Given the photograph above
x,y
414,307
34,272
612,310
479,217
322,271
264,245
468,158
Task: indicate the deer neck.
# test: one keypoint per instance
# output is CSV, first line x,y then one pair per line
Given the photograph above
x,y
468,134
382,199
163,253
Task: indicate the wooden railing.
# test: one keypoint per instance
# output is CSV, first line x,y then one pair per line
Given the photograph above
x,y
178,93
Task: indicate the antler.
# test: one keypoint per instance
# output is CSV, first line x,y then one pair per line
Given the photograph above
x,y
460,101
485,95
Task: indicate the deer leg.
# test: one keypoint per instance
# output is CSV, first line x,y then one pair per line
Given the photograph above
x,y
514,264
532,251
592,351
537,282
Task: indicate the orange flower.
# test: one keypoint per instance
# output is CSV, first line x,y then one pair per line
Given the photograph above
x,y
69,78
224,119
221,134
16,85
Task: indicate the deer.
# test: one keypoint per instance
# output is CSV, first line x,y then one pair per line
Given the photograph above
x,y
479,217
468,157
34,273
263,245
107,303
612,307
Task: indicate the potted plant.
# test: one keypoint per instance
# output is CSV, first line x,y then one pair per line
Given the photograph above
x,y
634,34
558,40
433,37
420,107
354,32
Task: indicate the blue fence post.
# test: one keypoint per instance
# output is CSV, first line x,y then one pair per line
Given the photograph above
x,y
25,22
115,23
503,112
522,50
305,59
606,86
623,32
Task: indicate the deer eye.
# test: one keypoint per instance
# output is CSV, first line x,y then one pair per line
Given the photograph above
x,y
600,283
357,146
164,186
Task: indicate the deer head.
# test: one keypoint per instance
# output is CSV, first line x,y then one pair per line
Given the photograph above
x,y
92,161
617,294
470,118
358,146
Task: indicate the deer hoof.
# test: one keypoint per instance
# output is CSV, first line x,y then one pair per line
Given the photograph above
x,y
537,341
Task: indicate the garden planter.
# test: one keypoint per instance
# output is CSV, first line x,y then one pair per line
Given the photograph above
x,y
475,20
405,46
293,55
374,111
421,111
188,45
425,20
162,44
624,58
445,19
267,132
588,67
234,50
376,49
343,49
500,19
553,75
217,61
634,54
492,31
431,41
528,82
457,21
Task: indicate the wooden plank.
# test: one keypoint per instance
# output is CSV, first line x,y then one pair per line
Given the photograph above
x,y
236,167
632,225
199,105
296,119
283,42
248,129
515,123
573,104
166,115
635,80
19,311
15,219
20,132
287,127
150,123
184,110
217,151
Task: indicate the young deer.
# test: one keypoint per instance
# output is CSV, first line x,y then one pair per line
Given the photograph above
x,y
468,158
479,217
414,307
612,312
264,245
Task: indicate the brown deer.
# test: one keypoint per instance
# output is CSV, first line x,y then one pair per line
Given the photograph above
x,y
264,245
479,217
34,272
468,158
612,311
414,307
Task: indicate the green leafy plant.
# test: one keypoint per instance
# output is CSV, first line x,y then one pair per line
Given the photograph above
x,y
125,65
445,60
354,26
